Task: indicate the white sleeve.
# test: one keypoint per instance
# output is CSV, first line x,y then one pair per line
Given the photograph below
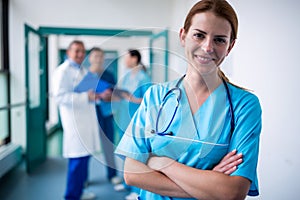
x,y
63,91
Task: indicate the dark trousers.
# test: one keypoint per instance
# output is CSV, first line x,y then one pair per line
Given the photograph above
x,y
107,141
77,175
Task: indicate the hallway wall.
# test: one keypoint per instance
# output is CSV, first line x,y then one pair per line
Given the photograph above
x,y
265,60
71,13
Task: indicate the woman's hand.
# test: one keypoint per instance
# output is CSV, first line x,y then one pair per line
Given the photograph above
x,y
92,96
229,163
125,95
105,95
131,98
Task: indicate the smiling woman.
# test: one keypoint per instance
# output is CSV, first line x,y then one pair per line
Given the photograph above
x,y
214,39
210,147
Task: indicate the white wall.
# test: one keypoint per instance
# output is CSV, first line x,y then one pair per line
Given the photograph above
x,y
264,60
118,44
130,14
93,13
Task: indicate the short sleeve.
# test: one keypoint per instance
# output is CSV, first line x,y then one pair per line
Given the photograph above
x,y
144,83
246,139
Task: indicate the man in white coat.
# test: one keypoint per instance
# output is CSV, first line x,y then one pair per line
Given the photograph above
x,y
79,121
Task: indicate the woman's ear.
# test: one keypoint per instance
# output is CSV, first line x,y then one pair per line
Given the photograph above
x,y
230,47
182,36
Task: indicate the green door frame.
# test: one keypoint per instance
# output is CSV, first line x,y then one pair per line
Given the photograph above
x,y
44,30
164,35
43,33
35,82
97,32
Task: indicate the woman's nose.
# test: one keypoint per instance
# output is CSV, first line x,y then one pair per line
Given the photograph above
x,y
207,46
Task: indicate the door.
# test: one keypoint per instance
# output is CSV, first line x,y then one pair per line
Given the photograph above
x,y
35,64
159,59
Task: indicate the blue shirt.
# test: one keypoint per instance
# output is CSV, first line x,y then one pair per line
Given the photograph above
x,y
200,140
137,84
73,63
106,107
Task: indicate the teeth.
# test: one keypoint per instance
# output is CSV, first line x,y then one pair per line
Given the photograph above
x,y
205,59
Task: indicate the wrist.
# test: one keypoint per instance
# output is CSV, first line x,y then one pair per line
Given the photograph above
x,y
167,164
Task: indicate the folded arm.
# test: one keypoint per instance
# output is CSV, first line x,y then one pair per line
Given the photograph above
x,y
202,184
140,175
150,177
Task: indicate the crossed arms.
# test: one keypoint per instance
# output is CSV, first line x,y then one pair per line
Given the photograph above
x,y
167,177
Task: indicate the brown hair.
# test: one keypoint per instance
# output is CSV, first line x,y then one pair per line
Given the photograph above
x,y
97,49
137,54
79,42
220,8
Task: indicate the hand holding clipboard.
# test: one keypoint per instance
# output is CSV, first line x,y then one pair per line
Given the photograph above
x,y
92,82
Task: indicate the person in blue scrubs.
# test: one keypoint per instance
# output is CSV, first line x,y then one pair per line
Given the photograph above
x,y
135,82
104,112
207,147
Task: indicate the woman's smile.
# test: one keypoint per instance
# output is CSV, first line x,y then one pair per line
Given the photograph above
x,y
204,59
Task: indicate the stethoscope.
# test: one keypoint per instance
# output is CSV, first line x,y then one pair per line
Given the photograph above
x,y
179,92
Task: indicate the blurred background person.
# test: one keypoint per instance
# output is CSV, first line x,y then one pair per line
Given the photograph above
x,y
104,112
79,122
136,81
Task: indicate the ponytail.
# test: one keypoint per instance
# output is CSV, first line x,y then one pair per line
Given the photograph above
x,y
223,76
137,54
226,79
143,67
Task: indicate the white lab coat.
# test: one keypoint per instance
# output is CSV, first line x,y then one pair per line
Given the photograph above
x,y
78,114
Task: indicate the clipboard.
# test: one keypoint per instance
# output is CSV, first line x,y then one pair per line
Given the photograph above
x,y
92,82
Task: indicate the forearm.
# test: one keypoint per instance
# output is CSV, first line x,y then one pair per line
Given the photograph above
x,y
71,98
207,184
136,100
140,175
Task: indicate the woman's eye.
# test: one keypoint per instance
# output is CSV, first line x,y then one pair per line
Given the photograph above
x,y
199,36
220,41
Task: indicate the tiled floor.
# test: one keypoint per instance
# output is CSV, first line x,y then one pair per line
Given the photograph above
x,y
54,144
47,182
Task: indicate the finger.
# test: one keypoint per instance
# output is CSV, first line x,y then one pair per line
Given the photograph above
x,y
230,154
233,158
230,171
232,164
229,158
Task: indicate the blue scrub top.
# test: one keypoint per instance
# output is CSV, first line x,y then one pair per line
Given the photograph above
x,y
106,107
200,140
137,84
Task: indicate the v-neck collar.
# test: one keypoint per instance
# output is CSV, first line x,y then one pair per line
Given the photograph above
x,y
197,129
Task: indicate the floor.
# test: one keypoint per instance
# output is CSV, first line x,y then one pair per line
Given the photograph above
x,y
47,182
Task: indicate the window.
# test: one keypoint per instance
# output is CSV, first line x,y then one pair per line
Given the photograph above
x,y
1,39
4,75
4,132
